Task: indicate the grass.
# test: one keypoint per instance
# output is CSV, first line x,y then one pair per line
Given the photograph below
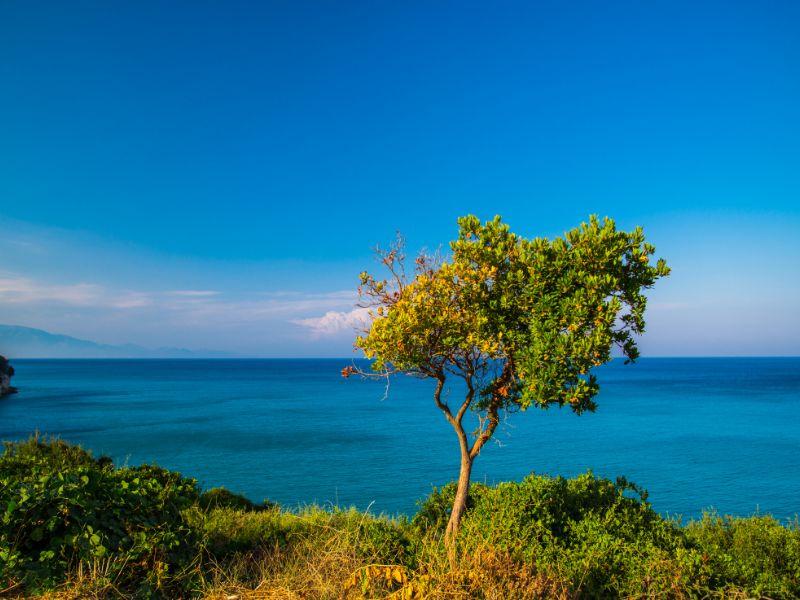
x,y
76,527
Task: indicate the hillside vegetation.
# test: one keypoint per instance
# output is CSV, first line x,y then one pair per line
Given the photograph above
x,y
77,527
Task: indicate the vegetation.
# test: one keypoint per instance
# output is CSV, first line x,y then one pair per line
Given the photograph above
x,y
62,508
77,527
521,322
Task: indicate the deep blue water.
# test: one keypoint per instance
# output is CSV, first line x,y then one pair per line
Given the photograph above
x,y
696,432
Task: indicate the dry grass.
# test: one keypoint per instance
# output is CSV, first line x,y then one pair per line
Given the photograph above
x,y
322,563
539,538
321,556
306,574
300,573
309,571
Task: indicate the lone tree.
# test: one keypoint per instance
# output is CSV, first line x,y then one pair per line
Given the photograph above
x,y
521,322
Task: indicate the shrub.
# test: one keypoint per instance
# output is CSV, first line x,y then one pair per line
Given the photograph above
x,y
600,537
219,497
230,530
69,520
370,539
375,539
756,554
63,508
434,511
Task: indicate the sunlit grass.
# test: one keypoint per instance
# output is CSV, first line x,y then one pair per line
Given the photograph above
x,y
543,537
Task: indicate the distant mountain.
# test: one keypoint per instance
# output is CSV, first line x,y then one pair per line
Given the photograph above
x,y
26,342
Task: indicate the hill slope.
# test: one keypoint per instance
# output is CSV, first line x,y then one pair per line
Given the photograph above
x,y
26,342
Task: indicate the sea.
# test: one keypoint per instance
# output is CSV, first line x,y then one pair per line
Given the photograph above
x,y
699,434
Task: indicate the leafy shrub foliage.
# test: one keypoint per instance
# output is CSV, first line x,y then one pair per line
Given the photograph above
x,y
230,530
375,539
756,554
62,507
147,532
219,497
370,538
601,537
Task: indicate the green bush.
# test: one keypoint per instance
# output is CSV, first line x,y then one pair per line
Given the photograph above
x,y
756,554
434,511
62,508
600,536
229,531
149,533
375,539
219,497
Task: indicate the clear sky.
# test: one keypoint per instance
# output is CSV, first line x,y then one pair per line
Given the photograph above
x,y
215,174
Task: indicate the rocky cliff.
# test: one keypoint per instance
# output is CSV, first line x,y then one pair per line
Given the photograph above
x,y
6,373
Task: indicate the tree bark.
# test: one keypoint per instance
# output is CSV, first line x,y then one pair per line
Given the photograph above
x,y
467,457
460,501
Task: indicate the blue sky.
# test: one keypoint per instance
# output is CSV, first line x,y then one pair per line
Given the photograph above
x,y
214,175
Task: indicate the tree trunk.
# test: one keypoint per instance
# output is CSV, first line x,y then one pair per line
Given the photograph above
x,y
459,504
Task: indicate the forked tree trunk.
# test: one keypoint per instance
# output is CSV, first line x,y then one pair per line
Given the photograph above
x,y
459,505
468,455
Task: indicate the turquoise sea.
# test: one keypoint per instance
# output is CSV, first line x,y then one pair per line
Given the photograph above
x,y
695,432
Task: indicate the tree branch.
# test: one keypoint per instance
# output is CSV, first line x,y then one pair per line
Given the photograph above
x,y
494,420
467,401
437,396
499,393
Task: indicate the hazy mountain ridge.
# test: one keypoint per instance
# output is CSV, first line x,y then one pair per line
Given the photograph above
x,y
17,341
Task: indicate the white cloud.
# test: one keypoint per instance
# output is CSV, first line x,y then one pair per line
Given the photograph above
x,y
93,288
194,293
333,322
25,290
182,307
14,289
131,300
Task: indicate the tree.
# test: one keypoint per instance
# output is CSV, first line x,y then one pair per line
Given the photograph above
x,y
521,322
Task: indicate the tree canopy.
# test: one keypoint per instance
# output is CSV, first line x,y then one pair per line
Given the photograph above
x,y
522,322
